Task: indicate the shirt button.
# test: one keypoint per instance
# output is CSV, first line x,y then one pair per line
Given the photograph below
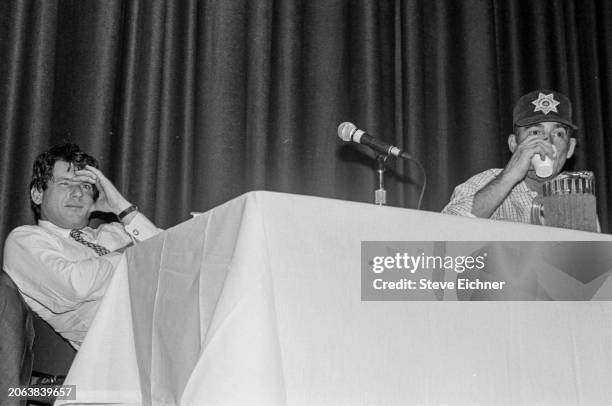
x,y
135,232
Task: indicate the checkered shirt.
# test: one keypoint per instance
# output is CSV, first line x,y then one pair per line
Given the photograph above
x,y
516,207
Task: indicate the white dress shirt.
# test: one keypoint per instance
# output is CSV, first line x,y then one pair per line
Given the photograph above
x,y
62,279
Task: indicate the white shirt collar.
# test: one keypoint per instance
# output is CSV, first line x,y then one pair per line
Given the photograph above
x,y
63,232
49,226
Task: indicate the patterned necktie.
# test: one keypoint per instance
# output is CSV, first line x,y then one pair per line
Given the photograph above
x,y
78,235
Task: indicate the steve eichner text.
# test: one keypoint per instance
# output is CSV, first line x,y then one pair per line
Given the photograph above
x,y
412,263
427,284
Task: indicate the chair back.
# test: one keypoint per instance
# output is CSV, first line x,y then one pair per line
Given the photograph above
x,y
16,338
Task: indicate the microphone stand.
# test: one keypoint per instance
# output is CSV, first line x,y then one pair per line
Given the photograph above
x,y
380,194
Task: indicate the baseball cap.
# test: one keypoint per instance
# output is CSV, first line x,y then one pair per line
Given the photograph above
x,y
543,105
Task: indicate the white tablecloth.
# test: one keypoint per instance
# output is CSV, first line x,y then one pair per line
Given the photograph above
x,y
258,302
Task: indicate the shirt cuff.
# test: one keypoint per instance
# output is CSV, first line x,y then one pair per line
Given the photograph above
x,y
141,228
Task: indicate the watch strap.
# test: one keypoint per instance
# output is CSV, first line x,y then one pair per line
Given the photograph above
x,y
127,211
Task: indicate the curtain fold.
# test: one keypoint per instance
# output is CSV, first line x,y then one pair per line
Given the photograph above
x,y
189,104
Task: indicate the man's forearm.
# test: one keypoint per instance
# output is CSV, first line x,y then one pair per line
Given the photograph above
x,y
488,199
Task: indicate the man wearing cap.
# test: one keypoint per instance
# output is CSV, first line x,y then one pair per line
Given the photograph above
x,y
542,128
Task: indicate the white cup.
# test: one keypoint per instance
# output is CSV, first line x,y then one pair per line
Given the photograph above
x,y
543,168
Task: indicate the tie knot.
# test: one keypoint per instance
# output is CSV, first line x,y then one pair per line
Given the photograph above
x,y
76,233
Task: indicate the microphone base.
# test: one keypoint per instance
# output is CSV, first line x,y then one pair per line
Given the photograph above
x,y
380,197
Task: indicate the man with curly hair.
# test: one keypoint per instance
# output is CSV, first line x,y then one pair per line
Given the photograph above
x,y
62,266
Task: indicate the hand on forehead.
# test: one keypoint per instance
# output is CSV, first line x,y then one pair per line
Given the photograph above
x,y
69,171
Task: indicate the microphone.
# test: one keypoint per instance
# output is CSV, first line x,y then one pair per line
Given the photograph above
x,y
349,132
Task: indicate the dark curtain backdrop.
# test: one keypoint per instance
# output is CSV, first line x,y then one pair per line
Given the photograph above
x,y
188,104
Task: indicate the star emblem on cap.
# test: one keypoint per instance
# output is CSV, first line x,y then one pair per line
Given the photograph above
x,y
545,103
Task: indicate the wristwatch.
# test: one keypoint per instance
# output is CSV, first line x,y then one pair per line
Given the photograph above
x,y
126,212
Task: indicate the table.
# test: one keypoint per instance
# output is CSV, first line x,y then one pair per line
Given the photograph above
x,y
258,302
